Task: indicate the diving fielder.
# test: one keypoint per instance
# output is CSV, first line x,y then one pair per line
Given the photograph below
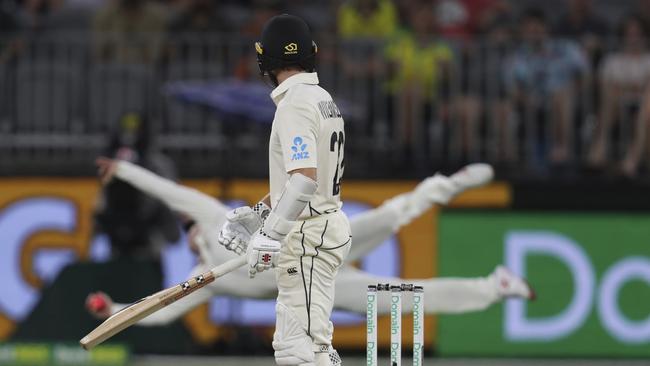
x,y
369,229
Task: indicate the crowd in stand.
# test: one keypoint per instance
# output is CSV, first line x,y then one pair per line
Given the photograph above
x,y
561,82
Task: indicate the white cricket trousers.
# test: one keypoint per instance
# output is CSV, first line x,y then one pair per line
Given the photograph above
x,y
309,261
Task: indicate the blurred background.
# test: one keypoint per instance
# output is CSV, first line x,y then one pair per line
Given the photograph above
x,y
554,94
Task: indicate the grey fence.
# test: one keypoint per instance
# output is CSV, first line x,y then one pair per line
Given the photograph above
x,y
61,95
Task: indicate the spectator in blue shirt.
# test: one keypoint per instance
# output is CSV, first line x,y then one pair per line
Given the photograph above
x,y
541,78
582,23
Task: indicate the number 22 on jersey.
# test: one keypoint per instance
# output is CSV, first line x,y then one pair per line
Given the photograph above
x,y
337,143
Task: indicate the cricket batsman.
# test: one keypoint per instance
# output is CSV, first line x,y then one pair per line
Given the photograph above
x,y
305,236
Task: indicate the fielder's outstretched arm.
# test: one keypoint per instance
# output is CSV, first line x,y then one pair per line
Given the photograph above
x,y
202,208
369,229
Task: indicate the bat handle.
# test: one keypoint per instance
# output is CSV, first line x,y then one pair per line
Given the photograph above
x,y
228,266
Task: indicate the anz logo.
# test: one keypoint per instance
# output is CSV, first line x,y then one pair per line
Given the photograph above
x,y
298,149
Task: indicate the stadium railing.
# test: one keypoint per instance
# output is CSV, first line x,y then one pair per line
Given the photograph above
x,y
61,94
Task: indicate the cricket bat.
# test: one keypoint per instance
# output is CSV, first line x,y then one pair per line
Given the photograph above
x,y
152,303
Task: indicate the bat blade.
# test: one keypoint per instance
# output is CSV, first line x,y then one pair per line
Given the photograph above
x,y
126,317
150,304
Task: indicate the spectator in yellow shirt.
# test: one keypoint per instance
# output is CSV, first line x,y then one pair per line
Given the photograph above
x,y
363,27
418,63
367,19
419,68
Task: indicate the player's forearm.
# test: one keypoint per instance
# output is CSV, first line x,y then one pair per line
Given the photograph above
x,y
198,206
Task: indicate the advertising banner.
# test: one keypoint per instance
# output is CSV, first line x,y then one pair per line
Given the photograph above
x,y
591,272
47,224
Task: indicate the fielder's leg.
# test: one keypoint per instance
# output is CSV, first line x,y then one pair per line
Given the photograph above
x,y
444,295
372,228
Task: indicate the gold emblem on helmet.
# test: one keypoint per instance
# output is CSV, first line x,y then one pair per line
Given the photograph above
x,y
291,49
258,48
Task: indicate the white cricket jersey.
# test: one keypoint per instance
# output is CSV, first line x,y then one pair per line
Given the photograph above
x,y
307,132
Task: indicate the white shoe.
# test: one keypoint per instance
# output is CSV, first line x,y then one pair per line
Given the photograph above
x,y
472,176
510,285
